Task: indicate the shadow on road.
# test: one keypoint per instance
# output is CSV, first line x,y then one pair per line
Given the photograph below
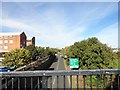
x,y
56,59
50,69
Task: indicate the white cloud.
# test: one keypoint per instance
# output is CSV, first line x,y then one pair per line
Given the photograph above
x,y
53,34
52,28
14,24
95,14
109,35
50,36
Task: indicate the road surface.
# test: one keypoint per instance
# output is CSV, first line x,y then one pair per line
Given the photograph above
x,y
59,65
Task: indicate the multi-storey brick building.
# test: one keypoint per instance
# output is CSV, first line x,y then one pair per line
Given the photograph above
x,y
11,41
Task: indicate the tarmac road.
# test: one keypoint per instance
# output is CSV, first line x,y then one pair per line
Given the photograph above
x,y
59,65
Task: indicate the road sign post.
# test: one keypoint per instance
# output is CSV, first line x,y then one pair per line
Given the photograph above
x,y
74,63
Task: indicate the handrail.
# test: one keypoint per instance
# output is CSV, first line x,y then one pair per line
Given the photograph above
x,y
59,72
26,67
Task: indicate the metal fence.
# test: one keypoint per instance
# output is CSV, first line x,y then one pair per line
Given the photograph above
x,y
100,79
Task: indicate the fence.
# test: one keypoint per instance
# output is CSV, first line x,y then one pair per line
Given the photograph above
x,y
36,80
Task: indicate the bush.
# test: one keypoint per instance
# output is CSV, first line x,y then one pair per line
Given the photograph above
x,y
17,57
92,54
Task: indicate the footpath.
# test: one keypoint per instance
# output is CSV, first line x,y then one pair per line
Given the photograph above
x,y
74,78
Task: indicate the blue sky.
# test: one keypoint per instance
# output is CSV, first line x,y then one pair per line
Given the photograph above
x,y
60,24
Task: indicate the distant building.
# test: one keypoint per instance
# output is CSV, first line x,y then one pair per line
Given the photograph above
x,y
116,49
11,41
31,41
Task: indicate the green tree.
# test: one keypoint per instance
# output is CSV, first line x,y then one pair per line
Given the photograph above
x,y
118,55
17,57
41,51
93,54
33,51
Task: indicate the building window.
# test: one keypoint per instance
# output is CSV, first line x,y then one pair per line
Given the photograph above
x,y
0,47
10,37
11,41
21,45
5,37
0,41
6,41
0,37
5,47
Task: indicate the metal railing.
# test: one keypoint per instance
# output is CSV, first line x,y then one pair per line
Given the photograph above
x,y
79,79
33,64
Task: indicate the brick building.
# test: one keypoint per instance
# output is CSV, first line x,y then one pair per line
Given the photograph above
x,y
31,41
11,41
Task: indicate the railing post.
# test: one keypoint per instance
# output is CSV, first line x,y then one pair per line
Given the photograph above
x,y
84,79
44,83
31,79
19,83
70,82
90,82
64,81
12,83
57,83
77,82
118,77
25,84
38,82
97,80
111,82
104,76
0,83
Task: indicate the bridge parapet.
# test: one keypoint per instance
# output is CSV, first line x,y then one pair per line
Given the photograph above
x,y
44,79
33,64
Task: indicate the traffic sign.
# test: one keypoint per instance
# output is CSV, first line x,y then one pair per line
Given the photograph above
x,y
74,63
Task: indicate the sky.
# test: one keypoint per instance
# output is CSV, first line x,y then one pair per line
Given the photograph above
x,y
60,24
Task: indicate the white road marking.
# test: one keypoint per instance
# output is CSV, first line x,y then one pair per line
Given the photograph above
x,y
67,76
54,78
56,69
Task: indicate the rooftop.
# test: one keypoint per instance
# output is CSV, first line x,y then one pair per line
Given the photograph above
x,y
11,33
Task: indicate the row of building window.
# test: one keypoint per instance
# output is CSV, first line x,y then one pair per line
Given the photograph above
x,y
5,37
4,47
6,41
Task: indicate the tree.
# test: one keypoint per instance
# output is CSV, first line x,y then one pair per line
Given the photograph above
x,y
118,55
93,54
33,51
17,57
41,51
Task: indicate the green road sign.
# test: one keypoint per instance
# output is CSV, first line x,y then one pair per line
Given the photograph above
x,y
74,63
